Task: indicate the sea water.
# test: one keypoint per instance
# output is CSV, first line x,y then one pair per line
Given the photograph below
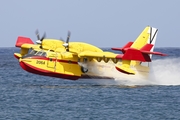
x,y
26,96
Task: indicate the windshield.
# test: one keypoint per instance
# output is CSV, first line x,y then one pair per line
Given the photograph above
x,y
35,53
40,53
32,52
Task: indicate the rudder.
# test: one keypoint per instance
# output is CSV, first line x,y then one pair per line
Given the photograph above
x,y
147,36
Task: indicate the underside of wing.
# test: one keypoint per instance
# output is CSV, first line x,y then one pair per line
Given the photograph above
x,y
105,56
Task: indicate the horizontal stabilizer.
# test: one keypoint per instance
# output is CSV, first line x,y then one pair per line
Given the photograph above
x,y
128,45
142,55
23,40
147,50
134,54
154,53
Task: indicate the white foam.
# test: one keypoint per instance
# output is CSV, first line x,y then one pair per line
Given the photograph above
x,y
162,72
165,71
109,70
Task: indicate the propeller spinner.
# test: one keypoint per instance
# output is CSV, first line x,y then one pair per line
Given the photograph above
x,y
66,44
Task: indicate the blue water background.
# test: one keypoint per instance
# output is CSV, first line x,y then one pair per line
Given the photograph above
x,y
26,96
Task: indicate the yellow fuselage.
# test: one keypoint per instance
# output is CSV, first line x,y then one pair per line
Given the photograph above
x,y
53,60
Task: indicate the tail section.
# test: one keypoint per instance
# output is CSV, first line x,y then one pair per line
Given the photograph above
x,y
139,51
123,49
147,36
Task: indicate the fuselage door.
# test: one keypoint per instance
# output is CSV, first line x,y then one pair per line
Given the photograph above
x,y
51,62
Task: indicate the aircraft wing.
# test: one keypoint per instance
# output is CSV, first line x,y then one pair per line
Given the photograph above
x,y
106,56
23,40
25,44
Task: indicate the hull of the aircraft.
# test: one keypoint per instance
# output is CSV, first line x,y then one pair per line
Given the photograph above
x,y
29,68
96,70
51,67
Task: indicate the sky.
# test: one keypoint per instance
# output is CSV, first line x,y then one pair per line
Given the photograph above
x,y
103,23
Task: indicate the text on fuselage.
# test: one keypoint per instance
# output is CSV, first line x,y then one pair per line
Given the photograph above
x,y
40,62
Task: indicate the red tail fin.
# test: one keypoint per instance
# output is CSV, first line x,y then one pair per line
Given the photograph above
x,y
22,40
147,47
134,54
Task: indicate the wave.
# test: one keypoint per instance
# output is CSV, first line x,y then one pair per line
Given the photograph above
x,y
165,71
162,72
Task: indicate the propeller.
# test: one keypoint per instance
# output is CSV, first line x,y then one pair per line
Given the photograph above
x,y
44,35
39,41
66,44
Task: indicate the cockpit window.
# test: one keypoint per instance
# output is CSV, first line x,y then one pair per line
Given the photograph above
x,y
38,53
44,54
32,52
35,53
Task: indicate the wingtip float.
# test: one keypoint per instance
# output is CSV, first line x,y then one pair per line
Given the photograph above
x,y
74,60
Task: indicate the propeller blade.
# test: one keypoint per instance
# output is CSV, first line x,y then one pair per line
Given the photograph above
x,y
68,37
39,41
37,34
43,37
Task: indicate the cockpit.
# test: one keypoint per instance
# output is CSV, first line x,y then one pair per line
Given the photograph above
x,y
33,52
37,53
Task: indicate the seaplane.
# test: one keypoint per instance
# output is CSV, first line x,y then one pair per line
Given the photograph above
x,y
75,60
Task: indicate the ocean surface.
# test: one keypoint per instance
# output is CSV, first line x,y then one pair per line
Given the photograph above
x,y
26,96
